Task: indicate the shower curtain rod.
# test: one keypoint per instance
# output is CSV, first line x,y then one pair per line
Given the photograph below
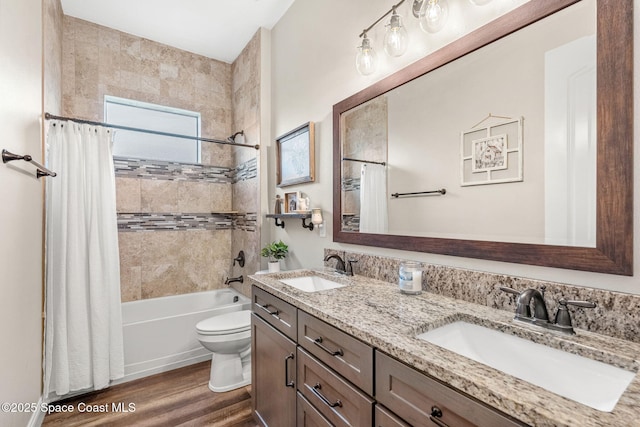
x,y
49,116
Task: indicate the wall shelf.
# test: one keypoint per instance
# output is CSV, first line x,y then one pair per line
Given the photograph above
x,y
279,219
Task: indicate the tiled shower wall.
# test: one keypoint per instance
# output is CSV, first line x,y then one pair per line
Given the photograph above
x,y
245,101
166,260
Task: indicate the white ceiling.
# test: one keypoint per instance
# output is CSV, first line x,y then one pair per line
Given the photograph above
x,y
218,29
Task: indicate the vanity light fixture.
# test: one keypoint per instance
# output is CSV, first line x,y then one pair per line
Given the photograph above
x,y
396,39
432,15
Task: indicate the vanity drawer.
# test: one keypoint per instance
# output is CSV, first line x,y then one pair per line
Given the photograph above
x,y
308,416
340,402
279,314
417,397
343,353
386,418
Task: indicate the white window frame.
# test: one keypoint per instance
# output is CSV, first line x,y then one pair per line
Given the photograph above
x,y
108,99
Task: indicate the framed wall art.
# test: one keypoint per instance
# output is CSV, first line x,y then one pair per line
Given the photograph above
x,y
295,156
492,154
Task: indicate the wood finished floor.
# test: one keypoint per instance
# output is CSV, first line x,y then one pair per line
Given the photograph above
x,y
177,398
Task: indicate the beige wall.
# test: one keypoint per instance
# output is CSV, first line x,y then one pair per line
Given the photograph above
x,y
21,208
307,82
99,61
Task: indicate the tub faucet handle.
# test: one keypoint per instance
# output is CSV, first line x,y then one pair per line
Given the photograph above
x,y
240,259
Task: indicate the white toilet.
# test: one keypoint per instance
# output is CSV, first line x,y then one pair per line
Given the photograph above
x,y
228,336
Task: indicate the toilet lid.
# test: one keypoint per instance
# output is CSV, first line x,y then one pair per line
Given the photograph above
x,y
229,323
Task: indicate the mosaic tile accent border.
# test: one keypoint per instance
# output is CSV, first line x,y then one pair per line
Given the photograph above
x,y
350,222
351,184
187,221
245,171
157,169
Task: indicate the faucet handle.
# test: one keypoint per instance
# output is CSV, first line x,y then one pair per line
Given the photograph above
x,y
583,304
509,290
563,316
350,269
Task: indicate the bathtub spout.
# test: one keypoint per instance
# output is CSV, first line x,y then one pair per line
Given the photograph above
x,y
230,280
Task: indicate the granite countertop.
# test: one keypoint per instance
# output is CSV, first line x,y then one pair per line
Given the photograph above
x,y
378,314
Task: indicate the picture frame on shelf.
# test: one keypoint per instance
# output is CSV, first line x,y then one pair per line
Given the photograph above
x,y
291,202
295,156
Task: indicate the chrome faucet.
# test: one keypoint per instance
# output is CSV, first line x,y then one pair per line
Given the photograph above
x,y
230,280
540,317
340,265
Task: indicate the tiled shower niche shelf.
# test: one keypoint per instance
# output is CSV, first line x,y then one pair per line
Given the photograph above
x,y
279,219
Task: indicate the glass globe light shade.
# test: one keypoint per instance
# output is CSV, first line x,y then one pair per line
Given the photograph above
x,y
396,38
479,2
366,59
433,15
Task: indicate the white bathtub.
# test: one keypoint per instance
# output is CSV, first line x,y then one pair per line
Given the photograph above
x,y
160,333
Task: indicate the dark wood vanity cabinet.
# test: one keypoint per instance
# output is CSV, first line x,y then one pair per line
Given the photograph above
x,y
307,372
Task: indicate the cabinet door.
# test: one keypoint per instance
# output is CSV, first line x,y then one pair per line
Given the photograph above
x,y
273,369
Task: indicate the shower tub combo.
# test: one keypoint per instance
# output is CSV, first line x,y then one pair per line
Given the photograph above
x,y
160,335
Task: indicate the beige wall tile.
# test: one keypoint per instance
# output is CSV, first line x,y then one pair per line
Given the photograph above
x,y
130,283
128,194
194,197
159,195
99,61
160,280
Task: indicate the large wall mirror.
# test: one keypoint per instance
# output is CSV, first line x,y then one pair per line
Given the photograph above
x,y
513,143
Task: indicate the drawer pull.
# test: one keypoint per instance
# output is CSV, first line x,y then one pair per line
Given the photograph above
x,y
287,383
266,308
318,342
316,391
436,414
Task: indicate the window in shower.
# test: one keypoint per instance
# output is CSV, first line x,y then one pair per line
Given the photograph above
x,y
143,115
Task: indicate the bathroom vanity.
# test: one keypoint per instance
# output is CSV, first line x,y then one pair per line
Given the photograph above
x,y
351,356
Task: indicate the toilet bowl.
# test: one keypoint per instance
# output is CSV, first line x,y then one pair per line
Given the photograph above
x,y
228,336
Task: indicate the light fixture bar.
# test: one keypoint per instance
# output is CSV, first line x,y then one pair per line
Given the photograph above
x,y
381,18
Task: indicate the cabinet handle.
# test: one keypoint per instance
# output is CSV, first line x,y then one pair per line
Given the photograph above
x,y
436,414
316,391
318,342
266,308
287,383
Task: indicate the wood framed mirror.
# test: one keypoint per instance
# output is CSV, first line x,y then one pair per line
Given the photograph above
x,y
612,248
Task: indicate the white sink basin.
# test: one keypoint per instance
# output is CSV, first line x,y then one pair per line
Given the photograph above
x,y
312,283
583,380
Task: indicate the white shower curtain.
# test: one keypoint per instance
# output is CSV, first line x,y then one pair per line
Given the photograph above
x,y
373,199
83,329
